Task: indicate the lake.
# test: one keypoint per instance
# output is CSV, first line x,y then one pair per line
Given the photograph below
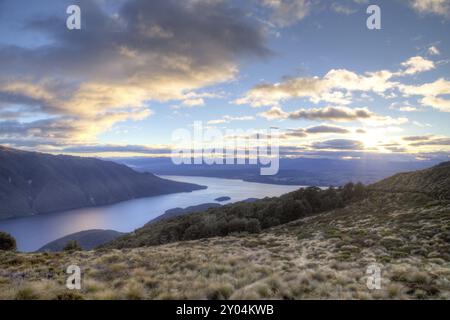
x,y
33,232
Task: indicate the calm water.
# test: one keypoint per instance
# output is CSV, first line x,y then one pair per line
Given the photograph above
x,y
33,232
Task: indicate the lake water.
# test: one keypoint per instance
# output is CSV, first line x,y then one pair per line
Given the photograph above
x,y
33,232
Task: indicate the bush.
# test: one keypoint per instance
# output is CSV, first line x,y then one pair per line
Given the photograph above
x,y
72,246
243,217
7,242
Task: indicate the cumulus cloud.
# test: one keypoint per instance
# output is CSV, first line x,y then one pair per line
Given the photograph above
x,y
430,93
274,113
336,86
439,7
147,51
416,65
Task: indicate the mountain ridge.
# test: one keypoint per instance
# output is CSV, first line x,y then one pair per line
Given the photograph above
x,y
34,183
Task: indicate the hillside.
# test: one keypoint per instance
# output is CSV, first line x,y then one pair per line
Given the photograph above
x,y
259,215
33,183
87,239
323,255
176,212
434,181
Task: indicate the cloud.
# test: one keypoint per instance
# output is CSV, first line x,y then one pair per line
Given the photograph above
x,y
404,107
118,63
431,93
439,7
321,129
274,113
433,51
417,138
338,114
109,148
335,87
228,119
332,113
327,129
285,13
339,144
194,102
294,133
432,142
64,130
342,9
416,65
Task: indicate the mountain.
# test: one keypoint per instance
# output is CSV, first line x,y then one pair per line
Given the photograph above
x,y
326,250
88,240
32,183
293,171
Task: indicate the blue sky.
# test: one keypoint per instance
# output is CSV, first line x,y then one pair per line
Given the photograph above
x,y
138,70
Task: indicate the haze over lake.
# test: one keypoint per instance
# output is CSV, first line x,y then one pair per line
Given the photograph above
x,y
33,232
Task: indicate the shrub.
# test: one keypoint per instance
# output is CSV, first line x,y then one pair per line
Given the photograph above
x,y
72,246
7,242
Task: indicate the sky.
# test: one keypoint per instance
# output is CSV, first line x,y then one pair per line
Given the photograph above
x,y
138,70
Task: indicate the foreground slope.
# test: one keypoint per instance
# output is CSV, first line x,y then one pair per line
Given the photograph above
x,y
325,255
33,183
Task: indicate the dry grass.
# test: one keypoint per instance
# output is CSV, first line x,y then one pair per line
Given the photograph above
x,y
321,257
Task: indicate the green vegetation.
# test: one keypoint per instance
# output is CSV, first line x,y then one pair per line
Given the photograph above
x,y
7,242
315,256
72,246
242,217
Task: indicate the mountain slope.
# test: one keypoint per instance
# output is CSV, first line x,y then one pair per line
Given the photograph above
x,y
88,240
320,256
325,256
33,183
434,181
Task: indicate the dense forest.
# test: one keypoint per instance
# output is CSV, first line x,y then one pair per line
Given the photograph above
x,y
243,216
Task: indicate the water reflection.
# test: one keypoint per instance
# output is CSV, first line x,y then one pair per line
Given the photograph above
x,y
33,232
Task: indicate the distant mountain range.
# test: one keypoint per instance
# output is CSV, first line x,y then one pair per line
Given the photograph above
x,y
293,171
32,183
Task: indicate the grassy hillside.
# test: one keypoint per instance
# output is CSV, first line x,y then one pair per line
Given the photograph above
x,y
434,181
324,255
